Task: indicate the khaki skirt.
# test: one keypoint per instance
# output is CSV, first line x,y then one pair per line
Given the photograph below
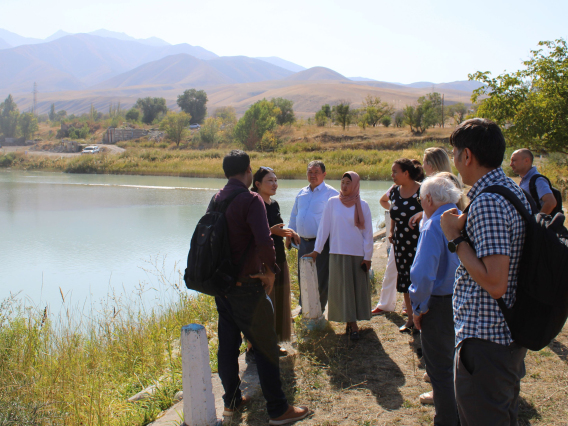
x,y
349,289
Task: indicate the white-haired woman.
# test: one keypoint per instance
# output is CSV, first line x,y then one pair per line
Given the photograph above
x,y
432,276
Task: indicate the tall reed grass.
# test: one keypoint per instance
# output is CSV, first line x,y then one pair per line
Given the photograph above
x,y
79,366
370,164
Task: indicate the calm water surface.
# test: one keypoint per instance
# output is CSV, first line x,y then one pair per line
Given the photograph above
x,y
86,236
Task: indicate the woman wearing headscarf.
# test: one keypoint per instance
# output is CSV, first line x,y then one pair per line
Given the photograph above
x,y
347,222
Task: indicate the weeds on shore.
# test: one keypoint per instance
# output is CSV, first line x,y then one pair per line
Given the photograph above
x,y
81,366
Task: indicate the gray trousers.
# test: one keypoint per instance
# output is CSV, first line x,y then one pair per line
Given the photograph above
x,y
487,381
438,342
322,266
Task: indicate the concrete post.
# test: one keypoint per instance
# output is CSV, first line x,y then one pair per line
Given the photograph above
x,y
311,306
198,400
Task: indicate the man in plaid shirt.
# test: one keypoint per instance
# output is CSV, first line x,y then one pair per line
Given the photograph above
x,y
488,365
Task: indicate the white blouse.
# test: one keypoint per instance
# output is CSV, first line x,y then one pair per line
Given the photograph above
x,y
338,223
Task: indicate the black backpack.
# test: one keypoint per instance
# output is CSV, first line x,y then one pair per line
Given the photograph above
x,y
541,305
557,194
210,269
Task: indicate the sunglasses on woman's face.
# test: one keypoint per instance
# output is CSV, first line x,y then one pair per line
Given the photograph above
x,y
266,168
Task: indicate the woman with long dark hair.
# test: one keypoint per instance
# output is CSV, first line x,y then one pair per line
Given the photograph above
x,y
407,175
265,183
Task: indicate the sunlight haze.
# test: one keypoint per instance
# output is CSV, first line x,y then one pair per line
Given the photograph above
x,y
438,41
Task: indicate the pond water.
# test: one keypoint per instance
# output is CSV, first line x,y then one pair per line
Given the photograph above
x,y
83,237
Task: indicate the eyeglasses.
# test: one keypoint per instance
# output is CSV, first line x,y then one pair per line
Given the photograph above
x,y
266,168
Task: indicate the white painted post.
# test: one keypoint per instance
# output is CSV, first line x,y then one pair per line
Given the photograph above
x,y
198,400
311,306
388,227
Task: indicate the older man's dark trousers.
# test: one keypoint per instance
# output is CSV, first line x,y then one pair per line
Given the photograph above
x,y
322,266
487,382
248,310
438,342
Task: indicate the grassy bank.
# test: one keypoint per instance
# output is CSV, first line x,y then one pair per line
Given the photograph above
x,y
370,164
79,366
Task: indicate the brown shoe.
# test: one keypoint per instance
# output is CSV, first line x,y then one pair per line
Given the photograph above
x,y
228,412
427,398
291,415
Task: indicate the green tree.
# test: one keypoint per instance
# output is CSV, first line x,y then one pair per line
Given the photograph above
x,y
457,112
286,115
194,103
327,110
341,115
321,118
227,115
258,119
399,119
386,121
9,117
133,114
530,105
28,125
93,114
52,114
376,109
209,132
61,114
176,126
151,108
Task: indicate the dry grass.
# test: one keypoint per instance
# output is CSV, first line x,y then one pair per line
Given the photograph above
x,y
377,381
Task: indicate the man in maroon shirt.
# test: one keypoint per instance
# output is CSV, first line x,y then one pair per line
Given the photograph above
x,y
247,308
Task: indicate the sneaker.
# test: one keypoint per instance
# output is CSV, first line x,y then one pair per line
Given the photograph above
x,y
249,357
377,311
427,398
291,415
228,412
426,378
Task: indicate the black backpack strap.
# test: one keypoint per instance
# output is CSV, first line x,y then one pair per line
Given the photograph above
x,y
222,206
532,187
512,198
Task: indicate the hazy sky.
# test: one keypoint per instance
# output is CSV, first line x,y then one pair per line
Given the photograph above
x,y
400,41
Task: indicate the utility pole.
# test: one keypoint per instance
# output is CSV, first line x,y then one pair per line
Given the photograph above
x,y
35,99
443,110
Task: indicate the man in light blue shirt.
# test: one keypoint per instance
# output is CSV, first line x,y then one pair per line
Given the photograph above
x,y
305,218
432,275
522,165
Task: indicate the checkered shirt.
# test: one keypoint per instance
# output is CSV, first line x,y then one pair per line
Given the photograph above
x,y
495,228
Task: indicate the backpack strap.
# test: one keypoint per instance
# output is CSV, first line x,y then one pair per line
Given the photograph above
x,y
222,206
512,198
532,187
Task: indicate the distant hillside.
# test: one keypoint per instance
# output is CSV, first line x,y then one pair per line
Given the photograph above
x,y
242,69
14,39
317,73
152,41
361,79
4,44
178,69
185,70
282,63
87,59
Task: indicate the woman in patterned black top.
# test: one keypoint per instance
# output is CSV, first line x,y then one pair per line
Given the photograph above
x,y
407,175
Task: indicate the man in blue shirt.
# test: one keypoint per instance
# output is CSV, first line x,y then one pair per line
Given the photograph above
x,y
305,218
522,165
432,275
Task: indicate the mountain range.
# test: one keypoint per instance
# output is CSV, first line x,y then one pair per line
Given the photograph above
x,y
104,66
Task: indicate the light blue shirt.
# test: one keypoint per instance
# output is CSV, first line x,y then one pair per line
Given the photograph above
x,y
542,187
308,209
434,268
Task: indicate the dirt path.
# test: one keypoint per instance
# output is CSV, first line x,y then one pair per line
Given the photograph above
x,y
108,149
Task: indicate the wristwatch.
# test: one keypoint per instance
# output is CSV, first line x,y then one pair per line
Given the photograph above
x,y
453,245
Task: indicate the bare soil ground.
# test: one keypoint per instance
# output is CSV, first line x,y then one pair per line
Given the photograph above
x,y
377,380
